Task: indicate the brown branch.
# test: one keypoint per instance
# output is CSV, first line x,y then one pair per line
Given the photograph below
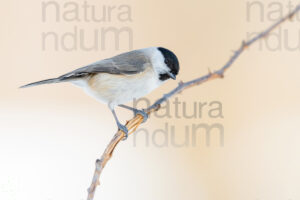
x,y
134,123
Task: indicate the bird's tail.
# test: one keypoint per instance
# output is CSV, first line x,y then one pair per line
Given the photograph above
x,y
48,81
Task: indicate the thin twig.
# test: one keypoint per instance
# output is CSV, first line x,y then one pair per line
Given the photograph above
x,y
134,123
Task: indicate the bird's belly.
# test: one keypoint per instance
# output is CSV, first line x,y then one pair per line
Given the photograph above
x,y
120,89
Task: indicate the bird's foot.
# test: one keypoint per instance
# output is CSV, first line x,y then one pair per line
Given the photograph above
x,y
142,113
124,129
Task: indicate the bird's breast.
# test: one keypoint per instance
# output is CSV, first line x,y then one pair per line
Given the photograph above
x,y
119,89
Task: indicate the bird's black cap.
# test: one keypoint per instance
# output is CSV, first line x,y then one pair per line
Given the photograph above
x,y
171,61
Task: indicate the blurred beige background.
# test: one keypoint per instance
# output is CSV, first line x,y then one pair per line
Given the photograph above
x,y
51,135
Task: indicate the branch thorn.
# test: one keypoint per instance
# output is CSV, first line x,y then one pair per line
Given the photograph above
x,y
209,71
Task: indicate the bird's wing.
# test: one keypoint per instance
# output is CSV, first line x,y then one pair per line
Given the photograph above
x,y
127,63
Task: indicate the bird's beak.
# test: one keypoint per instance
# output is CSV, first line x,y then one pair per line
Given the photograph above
x,y
172,76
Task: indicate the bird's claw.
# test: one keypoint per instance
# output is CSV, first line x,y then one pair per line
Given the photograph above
x,y
124,129
142,113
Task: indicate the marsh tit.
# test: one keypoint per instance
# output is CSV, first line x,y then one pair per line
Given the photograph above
x,y
122,78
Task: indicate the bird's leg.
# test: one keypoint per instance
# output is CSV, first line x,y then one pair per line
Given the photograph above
x,y
136,112
120,126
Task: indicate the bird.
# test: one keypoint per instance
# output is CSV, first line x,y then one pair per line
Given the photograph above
x,y
120,79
